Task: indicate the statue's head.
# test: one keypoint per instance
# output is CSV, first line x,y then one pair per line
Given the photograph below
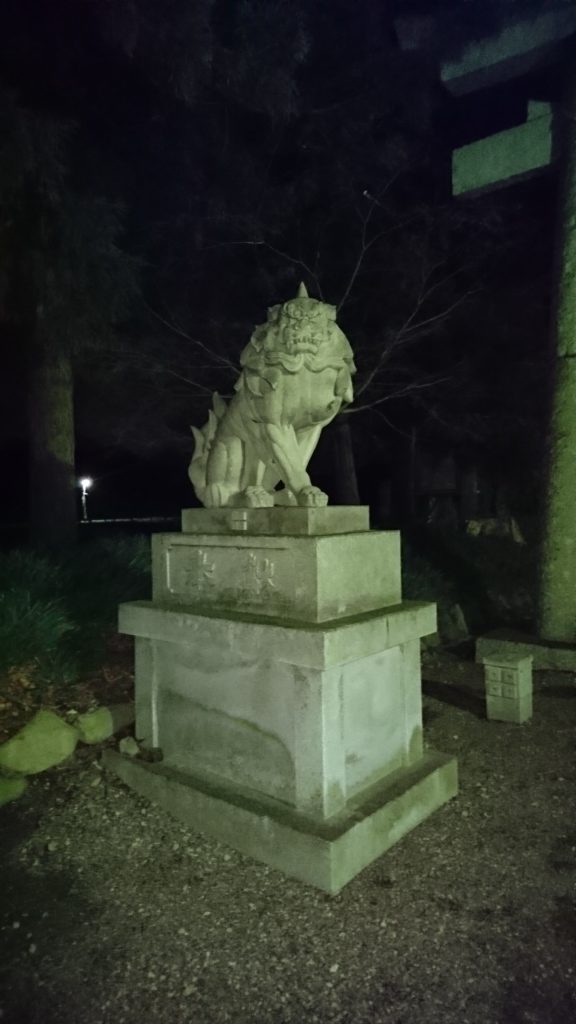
x,y
303,307
299,332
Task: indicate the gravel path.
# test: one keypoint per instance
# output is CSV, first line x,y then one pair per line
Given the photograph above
x,y
112,913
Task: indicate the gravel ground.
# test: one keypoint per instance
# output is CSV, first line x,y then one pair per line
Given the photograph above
x,y
113,913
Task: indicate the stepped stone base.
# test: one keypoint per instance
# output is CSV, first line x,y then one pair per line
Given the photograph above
x,y
278,672
325,854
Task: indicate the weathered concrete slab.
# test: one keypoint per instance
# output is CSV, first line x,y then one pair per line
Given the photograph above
x,y
504,158
326,854
333,643
280,522
311,579
311,738
522,45
499,644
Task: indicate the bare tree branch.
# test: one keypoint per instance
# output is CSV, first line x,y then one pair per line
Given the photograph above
x,y
366,245
438,317
410,331
175,329
414,386
284,255
300,263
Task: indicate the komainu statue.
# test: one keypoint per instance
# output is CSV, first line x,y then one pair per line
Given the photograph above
x,y
296,375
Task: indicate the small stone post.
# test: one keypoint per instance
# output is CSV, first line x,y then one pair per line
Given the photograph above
x,y
508,688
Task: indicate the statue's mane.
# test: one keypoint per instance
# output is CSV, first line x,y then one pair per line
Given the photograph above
x,y
301,333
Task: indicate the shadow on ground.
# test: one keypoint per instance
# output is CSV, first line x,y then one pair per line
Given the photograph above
x,y
41,909
458,696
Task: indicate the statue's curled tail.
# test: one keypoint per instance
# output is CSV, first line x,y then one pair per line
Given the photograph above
x,y
204,439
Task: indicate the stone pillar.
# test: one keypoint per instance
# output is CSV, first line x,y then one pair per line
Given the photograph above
x,y
557,598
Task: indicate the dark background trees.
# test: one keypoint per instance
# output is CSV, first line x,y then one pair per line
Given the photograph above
x,y
187,165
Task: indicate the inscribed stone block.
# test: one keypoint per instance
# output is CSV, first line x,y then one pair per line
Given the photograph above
x,y
310,579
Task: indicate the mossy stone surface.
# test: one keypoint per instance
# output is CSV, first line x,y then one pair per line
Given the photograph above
x,y
99,725
44,742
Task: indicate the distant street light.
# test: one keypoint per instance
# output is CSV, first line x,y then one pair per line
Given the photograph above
x,y
85,483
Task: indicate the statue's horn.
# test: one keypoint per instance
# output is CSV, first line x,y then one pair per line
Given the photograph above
x,y
302,291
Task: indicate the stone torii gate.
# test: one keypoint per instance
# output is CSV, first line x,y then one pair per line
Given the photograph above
x,y
547,137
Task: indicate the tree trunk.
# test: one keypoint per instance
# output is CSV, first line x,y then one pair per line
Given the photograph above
x,y
411,481
557,598
468,494
345,465
52,498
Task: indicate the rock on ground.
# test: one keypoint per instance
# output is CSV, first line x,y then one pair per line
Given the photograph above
x,y
44,742
100,724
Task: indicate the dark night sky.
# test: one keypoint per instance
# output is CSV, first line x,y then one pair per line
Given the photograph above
x,y
133,138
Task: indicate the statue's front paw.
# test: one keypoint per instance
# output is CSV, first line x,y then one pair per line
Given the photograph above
x,y
257,497
312,497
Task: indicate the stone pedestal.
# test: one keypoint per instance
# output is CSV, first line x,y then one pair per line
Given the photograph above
x,y
279,673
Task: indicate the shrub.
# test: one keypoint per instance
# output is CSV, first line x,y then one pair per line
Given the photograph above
x,y
505,572
491,578
103,573
54,614
421,580
31,629
29,571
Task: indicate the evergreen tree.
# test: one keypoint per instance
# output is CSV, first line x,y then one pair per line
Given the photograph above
x,y
65,282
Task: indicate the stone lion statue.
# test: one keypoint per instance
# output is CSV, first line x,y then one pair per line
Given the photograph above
x,y
296,375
